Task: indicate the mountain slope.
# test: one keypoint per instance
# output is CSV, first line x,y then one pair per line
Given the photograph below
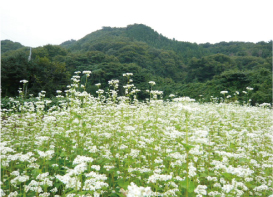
x,y
141,33
8,45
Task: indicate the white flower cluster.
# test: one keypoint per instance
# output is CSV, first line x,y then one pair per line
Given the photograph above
x,y
100,91
36,186
152,83
156,93
239,171
19,179
114,83
192,170
159,177
95,181
98,84
4,149
261,188
87,72
48,154
173,133
224,92
24,81
48,119
2,193
134,153
249,88
183,99
127,74
70,182
265,105
201,190
135,191
82,159
75,79
13,194
95,167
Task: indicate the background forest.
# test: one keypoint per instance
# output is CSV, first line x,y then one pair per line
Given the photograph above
x,y
180,68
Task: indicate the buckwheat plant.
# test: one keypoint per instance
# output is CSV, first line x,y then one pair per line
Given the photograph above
x,y
89,146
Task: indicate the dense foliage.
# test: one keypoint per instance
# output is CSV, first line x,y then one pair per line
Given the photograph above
x,y
183,68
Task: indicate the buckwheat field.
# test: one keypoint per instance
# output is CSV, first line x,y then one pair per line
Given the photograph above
x,y
110,145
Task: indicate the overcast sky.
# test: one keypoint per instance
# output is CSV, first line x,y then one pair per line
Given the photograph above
x,y
40,22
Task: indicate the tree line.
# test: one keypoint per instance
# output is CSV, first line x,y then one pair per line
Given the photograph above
x,y
181,68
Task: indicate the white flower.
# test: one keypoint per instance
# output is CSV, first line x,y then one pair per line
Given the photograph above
x,y
201,189
2,193
54,190
48,154
42,176
227,188
159,177
127,74
96,167
44,194
82,159
261,188
108,167
249,88
15,173
13,194
86,72
24,81
224,92
152,83
135,191
265,105
21,179
192,170
100,91
70,182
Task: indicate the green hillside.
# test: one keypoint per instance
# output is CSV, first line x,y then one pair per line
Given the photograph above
x,y
181,68
8,45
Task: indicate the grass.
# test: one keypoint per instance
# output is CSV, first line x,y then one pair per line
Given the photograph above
x,y
118,146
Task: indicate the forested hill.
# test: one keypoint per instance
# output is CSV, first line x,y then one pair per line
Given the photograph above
x,y
8,45
182,68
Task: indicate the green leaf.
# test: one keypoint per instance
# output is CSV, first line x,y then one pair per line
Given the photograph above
x,y
183,184
123,184
226,175
191,187
203,175
36,172
187,146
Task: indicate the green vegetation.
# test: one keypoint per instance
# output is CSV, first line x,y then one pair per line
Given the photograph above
x,y
181,68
